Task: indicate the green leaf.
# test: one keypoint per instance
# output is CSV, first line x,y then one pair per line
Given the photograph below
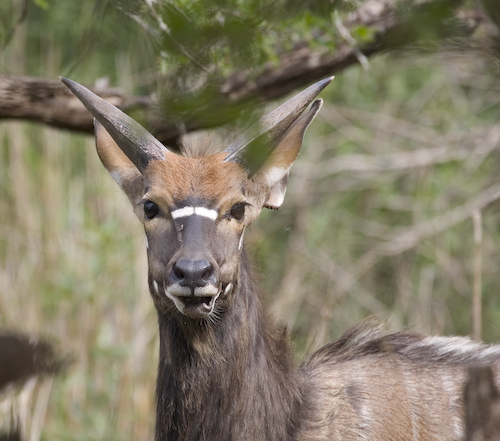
x,y
42,4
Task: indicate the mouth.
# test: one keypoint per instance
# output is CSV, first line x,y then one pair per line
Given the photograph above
x,y
196,306
206,302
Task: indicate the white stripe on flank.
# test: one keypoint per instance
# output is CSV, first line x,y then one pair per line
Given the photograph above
x,y
189,211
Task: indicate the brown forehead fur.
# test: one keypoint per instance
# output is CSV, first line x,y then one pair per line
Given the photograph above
x,y
200,145
209,178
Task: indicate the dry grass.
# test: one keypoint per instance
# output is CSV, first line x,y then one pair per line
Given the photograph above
x,y
73,269
380,205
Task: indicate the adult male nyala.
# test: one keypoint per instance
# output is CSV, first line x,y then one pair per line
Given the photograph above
x,y
225,371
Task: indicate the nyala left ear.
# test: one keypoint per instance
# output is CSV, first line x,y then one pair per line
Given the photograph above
x,y
270,181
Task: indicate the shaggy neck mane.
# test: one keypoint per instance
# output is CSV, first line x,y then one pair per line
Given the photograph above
x,y
228,379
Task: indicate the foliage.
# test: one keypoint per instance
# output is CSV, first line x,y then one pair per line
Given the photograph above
x,y
201,44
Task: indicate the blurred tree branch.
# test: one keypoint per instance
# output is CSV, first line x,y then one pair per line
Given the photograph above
x,y
389,25
49,102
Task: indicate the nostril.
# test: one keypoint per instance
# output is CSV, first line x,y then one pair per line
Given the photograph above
x,y
178,273
207,274
193,273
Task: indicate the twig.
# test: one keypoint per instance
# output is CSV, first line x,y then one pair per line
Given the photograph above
x,y
448,150
413,236
476,299
351,41
22,17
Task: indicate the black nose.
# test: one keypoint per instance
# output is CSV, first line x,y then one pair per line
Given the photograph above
x,y
193,273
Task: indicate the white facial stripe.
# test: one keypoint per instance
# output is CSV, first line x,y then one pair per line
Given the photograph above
x,y
213,302
178,304
241,238
182,212
189,211
205,212
178,290
207,290
200,291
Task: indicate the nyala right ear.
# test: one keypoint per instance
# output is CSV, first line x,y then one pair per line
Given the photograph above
x,y
269,148
271,180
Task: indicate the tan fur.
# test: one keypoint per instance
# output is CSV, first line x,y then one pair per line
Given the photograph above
x,y
200,145
206,178
385,398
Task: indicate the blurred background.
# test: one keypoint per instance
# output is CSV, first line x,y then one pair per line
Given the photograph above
x,y
392,207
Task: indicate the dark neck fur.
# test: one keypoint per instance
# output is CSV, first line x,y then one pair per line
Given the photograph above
x,y
230,381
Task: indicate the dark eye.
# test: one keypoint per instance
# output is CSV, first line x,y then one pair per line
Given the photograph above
x,y
238,211
150,210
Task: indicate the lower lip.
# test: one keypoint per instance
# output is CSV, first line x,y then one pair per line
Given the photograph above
x,y
197,308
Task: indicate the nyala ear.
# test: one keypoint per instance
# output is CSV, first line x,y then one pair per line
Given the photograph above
x,y
270,182
120,167
124,146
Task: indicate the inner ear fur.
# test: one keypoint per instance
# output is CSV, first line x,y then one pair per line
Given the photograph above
x,y
122,170
270,182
